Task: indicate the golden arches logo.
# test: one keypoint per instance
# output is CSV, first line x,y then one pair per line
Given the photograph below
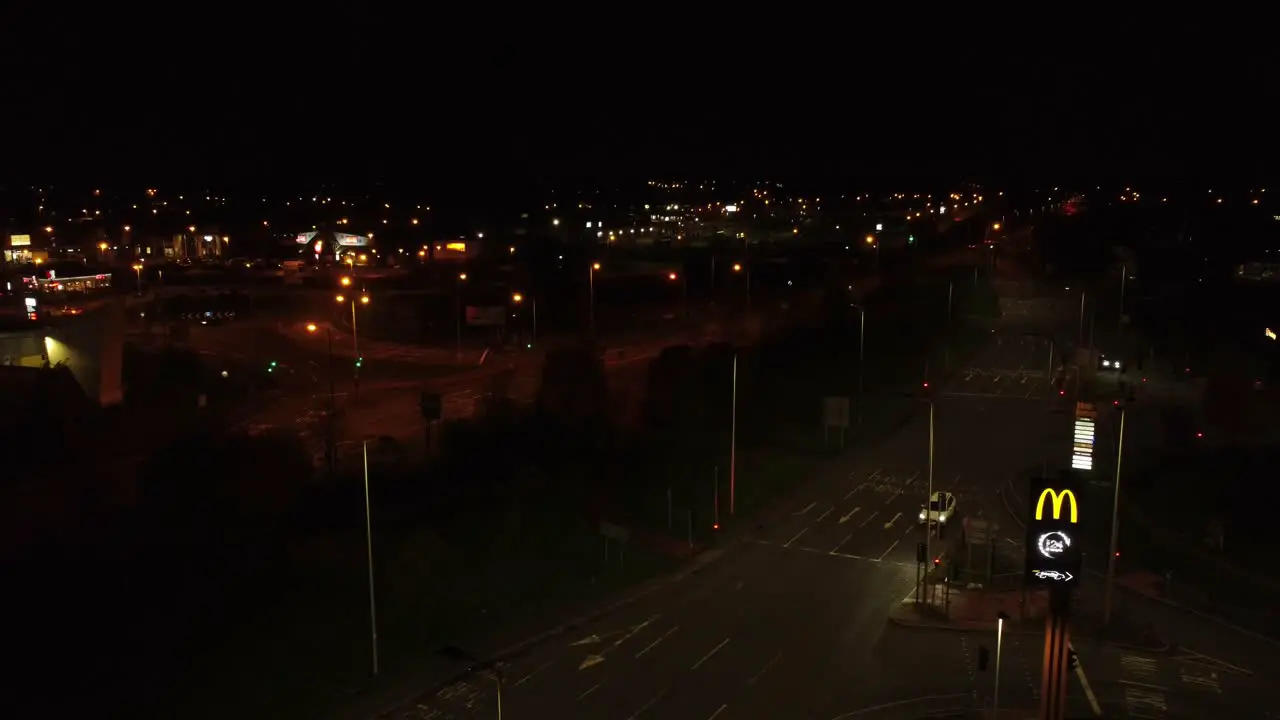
x,y
1057,498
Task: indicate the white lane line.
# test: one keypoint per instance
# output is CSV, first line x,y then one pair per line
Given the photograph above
x,y
707,657
890,524
867,519
845,518
653,701
797,537
716,714
842,542
828,512
806,509
653,644
764,669
536,670
855,557
891,547
588,691
1084,683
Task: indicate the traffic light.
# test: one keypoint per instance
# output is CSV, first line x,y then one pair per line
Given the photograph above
x,y
911,239
359,361
984,657
1073,660
920,553
272,366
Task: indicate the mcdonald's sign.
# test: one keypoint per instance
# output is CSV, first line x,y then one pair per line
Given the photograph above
x,y
1054,540
1056,499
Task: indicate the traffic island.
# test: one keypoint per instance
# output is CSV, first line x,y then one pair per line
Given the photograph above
x,y
964,609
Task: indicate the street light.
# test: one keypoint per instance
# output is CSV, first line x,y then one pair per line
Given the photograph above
x,y
355,334
999,646
518,298
137,268
591,286
457,311
862,355
871,240
1115,526
739,267
328,332
684,290
344,281
368,534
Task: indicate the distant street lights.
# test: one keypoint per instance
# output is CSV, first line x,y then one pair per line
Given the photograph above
x,y
363,299
137,268
871,240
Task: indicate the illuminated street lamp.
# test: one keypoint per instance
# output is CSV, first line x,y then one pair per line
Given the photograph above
x,y
995,226
137,268
518,298
591,286
344,281
684,290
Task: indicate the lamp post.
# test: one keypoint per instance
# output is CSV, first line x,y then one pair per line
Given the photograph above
x,y
739,267
355,332
457,312
591,286
871,240
733,440
1115,526
368,534
862,356
999,646
329,440
684,290
518,298
137,268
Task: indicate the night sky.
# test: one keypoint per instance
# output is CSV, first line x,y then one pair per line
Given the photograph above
x,y
351,99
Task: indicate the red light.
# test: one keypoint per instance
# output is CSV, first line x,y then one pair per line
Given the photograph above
x,y
1199,434
1116,403
1117,553
716,526
937,561
926,384
1144,379
1062,392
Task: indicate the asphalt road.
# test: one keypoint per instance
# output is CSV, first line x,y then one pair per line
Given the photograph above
x,y
791,621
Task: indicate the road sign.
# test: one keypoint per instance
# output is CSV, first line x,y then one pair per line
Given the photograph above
x,y
1083,437
835,412
978,531
1053,532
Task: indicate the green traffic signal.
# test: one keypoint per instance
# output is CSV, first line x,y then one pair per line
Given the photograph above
x,y
272,366
911,239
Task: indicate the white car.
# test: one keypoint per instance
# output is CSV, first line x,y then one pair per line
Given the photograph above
x,y
942,506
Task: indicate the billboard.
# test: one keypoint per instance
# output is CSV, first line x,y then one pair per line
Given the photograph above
x,y
19,241
346,240
1053,533
304,238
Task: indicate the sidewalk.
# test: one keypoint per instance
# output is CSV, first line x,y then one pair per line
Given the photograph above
x,y
964,610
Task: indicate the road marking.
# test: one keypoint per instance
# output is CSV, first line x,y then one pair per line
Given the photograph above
x,y
960,698
707,657
868,518
842,542
891,547
716,714
653,644
764,669
828,512
536,670
845,518
1186,654
797,537
1084,683
597,658
588,691
891,522
653,701
855,490
806,509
